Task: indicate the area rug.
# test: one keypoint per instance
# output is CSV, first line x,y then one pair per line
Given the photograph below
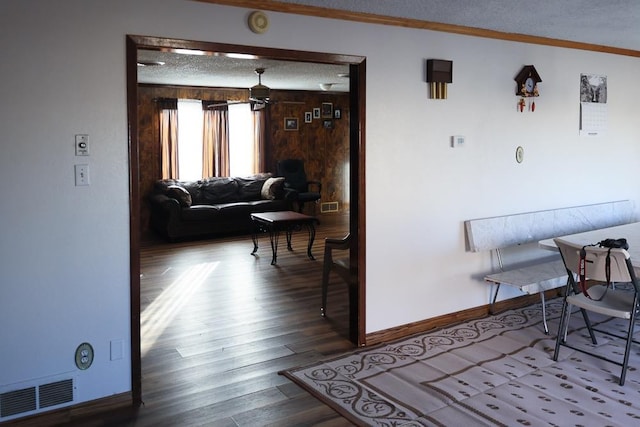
x,y
493,371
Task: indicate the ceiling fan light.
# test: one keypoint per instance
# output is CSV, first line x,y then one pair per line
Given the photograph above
x,y
259,92
326,86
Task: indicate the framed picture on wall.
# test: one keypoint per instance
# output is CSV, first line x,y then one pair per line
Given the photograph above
x,y
316,113
337,113
327,124
290,123
327,110
307,117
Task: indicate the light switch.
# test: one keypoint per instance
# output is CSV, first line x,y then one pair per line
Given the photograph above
x,y
82,175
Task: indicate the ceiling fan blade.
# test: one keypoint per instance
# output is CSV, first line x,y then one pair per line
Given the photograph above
x,y
224,104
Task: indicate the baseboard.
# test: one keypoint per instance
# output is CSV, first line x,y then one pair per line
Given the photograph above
x,y
452,319
76,413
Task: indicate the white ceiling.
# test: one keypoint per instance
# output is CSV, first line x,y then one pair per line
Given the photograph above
x,y
614,23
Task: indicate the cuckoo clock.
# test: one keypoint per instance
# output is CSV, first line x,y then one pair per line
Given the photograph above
x,y
527,86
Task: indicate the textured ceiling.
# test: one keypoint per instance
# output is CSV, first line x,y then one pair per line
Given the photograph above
x,y
221,71
614,23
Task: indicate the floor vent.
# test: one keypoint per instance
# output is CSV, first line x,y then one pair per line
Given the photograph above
x,y
17,401
29,399
329,207
55,393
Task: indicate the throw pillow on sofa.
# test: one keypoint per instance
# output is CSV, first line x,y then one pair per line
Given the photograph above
x,y
180,194
272,188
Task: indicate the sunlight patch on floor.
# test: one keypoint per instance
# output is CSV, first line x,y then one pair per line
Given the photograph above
x,y
155,318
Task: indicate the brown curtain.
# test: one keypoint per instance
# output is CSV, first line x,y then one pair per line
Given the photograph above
x,y
215,140
259,141
168,124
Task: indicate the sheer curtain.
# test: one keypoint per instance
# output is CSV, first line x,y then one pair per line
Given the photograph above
x,y
168,123
215,140
259,141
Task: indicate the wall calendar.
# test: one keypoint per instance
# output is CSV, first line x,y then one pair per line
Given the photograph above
x,y
593,105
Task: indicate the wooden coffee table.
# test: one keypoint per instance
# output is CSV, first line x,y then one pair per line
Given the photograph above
x,y
287,221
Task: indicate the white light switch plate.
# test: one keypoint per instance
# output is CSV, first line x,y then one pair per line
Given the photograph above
x,y
82,175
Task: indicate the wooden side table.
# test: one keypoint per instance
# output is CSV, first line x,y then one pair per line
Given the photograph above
x,y
287,221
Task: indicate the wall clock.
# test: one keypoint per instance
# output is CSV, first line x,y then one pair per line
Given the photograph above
x,y
527,87
527,81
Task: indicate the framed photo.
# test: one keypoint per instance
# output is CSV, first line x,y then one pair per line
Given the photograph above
x,y
327,110
327,124
316,113
290,123
307,117
337,113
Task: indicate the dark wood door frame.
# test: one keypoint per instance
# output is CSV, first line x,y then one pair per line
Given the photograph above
x,y
357,65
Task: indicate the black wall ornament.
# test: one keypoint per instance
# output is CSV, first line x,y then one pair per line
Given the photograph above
x,y
439,74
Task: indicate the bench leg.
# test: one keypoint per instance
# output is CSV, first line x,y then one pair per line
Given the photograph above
x,y
493,301
544,313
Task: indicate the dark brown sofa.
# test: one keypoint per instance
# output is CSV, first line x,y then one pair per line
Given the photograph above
x,y
222,205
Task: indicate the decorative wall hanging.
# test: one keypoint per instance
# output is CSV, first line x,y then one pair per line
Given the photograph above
x,y
527,87
290,123
593,105
327,110
439,73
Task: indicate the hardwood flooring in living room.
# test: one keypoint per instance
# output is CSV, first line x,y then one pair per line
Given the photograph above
x,y
218,324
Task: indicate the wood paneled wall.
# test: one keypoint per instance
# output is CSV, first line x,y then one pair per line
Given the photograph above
x,y
323,144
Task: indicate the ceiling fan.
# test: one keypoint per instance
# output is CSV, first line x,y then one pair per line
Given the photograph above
x,y
259,92
258,95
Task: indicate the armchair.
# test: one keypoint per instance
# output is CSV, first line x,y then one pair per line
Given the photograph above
x,y
296,185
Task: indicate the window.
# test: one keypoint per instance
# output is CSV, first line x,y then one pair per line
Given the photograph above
x,y
190,122
241,145
190,131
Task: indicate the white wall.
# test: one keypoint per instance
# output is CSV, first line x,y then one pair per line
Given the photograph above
x,y
64,258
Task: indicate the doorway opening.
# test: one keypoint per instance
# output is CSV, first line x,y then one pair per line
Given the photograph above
x,y
357,69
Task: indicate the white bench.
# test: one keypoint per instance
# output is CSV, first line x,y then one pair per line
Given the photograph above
x,y
501,232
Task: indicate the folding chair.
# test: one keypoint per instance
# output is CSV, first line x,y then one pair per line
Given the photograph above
x,y
606,266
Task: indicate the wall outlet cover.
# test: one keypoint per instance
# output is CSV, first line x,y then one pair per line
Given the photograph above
x,y
84,356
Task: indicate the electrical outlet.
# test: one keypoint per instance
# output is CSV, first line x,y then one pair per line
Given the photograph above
x,y
84,356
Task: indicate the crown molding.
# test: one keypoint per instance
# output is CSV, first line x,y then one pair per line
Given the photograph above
x,y
322,12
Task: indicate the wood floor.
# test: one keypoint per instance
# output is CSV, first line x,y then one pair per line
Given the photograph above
x,y
218,324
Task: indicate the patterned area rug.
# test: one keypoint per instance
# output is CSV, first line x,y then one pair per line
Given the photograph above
x,y
493,371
